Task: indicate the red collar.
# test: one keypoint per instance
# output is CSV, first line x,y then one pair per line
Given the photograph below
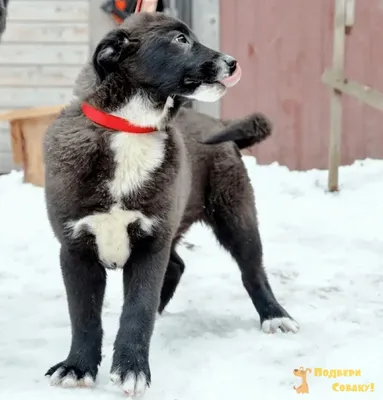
x,y
113,122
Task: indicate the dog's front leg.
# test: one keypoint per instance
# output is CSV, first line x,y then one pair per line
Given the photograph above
x,y
85,282
143,277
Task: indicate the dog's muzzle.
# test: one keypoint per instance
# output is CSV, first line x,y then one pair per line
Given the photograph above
x,y
230,71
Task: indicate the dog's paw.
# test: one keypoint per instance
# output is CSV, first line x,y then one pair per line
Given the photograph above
x,y
131,383
284,324
130,371
70,376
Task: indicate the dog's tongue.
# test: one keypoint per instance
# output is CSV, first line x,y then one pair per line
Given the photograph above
x,y
232,79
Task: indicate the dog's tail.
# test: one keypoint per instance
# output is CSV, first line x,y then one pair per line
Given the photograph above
x,y
244,133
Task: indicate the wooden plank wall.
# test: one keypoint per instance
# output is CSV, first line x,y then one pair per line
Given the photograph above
x,y
42,51
284,48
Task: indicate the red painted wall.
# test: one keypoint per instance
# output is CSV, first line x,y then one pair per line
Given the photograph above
x,y
283,48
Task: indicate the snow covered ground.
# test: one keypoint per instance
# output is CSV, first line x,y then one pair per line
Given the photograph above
x,y
324,255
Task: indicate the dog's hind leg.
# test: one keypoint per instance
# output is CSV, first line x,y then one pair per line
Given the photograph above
x,y
85,281
231,213
173,274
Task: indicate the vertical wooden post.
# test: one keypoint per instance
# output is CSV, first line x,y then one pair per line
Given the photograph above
x,y
336,100
350,15
206,24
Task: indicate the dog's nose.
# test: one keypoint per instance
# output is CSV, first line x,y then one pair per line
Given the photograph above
x,y
231,63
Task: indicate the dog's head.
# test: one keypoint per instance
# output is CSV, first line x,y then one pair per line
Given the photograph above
x,y
162,57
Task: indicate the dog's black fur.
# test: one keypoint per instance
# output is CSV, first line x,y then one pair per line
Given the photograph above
x,y
147,189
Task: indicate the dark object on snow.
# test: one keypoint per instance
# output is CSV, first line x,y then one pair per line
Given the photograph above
x,y
3,16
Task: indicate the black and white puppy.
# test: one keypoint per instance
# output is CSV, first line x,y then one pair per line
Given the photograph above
x,y
117,198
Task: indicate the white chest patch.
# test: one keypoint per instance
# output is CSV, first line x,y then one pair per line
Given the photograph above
x,y
136,157
111,234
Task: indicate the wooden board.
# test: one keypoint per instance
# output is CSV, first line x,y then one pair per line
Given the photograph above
x,y
33,112
31,97
25,54
17,142
67,32
33,134
363,93
64,10
38,75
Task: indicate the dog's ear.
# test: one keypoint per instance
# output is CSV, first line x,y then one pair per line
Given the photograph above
x,y
115,47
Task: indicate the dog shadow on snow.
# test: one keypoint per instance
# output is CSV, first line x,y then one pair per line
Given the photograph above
x,y
199,323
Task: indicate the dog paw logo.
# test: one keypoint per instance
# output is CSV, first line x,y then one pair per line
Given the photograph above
x,y
302,373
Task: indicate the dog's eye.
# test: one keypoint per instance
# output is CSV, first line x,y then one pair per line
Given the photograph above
x,y
181,39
